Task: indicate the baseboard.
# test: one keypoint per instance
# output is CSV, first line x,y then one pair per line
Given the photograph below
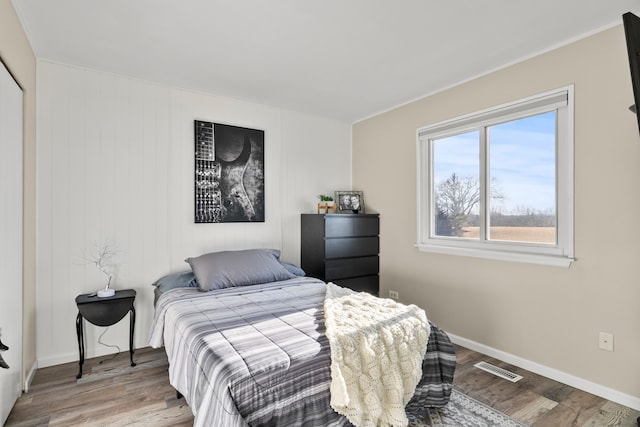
x,y
45,362
571,380
29,379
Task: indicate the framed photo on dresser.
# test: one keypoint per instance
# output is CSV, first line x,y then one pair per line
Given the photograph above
x,y
350,202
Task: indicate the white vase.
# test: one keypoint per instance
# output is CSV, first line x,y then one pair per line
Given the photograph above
x,y
108,292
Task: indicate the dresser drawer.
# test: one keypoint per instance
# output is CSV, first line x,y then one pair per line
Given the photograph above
x,y
369,284
344,268
351,247
351,226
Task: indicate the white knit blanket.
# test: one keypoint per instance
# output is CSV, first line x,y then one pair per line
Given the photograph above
x,y
377,347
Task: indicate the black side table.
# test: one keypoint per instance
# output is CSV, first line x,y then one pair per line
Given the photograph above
x,y
104,312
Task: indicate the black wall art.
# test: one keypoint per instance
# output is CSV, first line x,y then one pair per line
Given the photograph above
x,y
229,173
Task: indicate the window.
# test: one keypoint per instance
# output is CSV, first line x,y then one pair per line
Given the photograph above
x,y
499,183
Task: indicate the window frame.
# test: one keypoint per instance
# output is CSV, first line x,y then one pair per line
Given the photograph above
x,y
560,254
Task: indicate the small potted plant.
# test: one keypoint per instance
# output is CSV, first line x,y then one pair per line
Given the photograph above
x,y
326,203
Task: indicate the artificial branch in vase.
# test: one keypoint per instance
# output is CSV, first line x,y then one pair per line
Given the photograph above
x,y
102,261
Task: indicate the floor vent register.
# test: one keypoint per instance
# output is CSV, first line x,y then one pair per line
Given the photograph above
x,y
496,370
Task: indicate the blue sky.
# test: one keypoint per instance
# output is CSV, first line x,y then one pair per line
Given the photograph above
x,y
522,160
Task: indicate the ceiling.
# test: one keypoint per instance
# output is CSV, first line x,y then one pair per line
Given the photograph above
x,y
344,59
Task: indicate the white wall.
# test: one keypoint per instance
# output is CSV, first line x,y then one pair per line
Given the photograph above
x,y
115,163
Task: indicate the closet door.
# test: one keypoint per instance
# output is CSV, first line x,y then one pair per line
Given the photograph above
x,y
10,240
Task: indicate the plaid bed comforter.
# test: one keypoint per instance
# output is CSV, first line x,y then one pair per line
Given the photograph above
x,y
258,355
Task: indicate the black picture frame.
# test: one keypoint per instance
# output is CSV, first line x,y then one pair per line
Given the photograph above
x,y
229,173
351,202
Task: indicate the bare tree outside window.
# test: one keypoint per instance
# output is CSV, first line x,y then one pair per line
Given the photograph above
x,y
457,198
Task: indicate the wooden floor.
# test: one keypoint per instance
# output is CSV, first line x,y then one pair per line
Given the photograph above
x,y
535,400
111,393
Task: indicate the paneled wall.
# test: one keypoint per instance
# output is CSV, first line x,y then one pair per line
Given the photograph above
x,y
115,165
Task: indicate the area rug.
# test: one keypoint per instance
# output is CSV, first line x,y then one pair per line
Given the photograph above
x,y
463,411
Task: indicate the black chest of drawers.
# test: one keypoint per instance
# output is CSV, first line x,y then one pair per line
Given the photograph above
x,y
342,248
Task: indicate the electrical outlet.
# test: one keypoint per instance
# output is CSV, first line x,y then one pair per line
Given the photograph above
x,y
394,295
605,341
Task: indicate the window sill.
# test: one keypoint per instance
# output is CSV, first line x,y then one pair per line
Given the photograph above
x,y
529,258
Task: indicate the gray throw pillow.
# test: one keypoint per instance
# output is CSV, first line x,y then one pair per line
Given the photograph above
x,y
293,269
183,279
218,270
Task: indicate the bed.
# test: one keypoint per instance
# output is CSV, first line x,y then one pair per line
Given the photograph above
x,y
246,341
